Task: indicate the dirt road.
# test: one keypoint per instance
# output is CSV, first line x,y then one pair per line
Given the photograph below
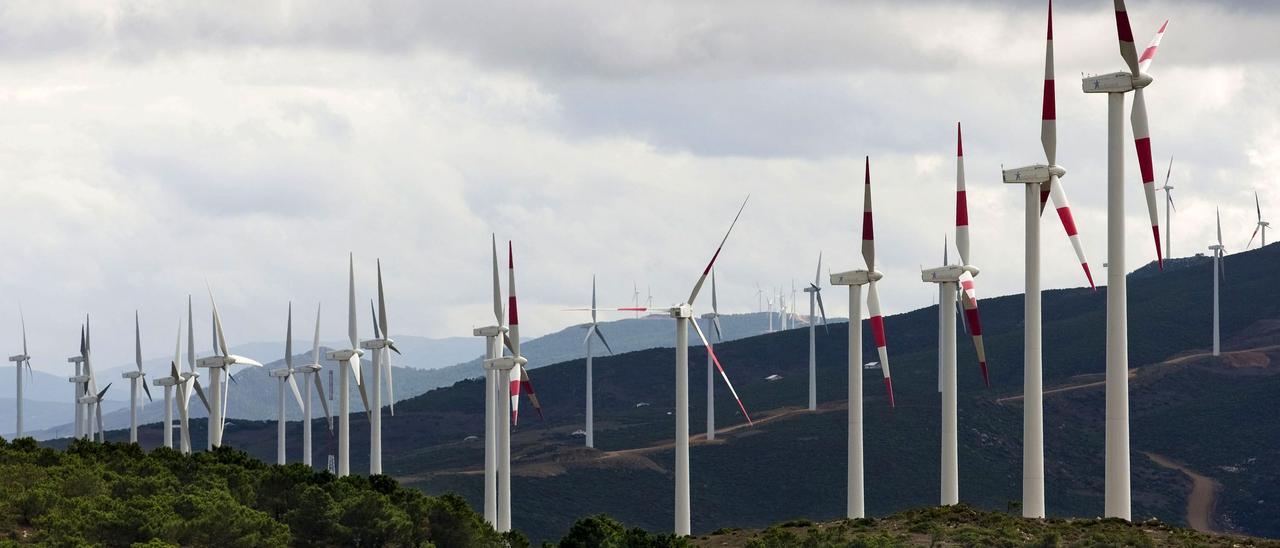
x,y
1204,492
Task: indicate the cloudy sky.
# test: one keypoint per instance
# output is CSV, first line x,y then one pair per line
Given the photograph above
x,y
146,147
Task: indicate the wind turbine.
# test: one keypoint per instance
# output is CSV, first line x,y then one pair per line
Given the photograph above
x,y
1035,179
21,360
635,300
594,329
348,363
493,349
218,365
78,385
93,397
815,294
504,365
1116,483
855,279
310,376
1169,208
1218,274
759,298
135,377
953,279
190,381
1261,226
379,346
713,318
683,313
284,375
168,383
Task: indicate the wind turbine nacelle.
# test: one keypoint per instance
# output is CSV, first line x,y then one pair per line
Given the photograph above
x,y
505,363
489,331
343,355
76,360
1217,247
87,399
856,277
309,368
188,375
1036,174
943,274
280,373
213,362
19,358
709,316
132,374
164,381
78,378
1116,82
375,344
682,311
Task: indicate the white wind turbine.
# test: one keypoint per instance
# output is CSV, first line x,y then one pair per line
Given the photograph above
x,y
504,366
310,376
348,364
92,399
493,393
219,365
21,360
1260,226
1219,273
855,279
1169,208
953,279
79,388
1037,179
594,329
190,382
135,377
713,319
1116,483
173,379
284,375
815,294
683,313
379,346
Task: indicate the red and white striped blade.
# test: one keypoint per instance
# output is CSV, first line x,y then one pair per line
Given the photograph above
x,y
513,317
969,302
515,398
1124,32
1069,224
1045,190
526,386
711,352
868,228
701,279
1149,54
888,383
876,321
1142,141
1049,111
962,202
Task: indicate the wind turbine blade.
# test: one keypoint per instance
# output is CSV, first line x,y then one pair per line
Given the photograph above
x,y
315,343
191,338
297,394
969,300
1258,205
1142,141
364,395
217,326
715,324
513,316
1218,216
600,335
391,392
693,295
876,321
711,352
200,392
513,388
593,299
288,342
888,382
22,317
177,352
822,309
137,342
527,386
146,389
1168,194
715,300
352,334
382,305
590,329
1049,111
497,285
1256,228
1069,225
1128,50
97,408
1149,54
324,402
817,274
373,315
962,201
868,227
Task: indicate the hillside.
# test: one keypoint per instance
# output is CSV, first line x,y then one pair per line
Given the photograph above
x,y
1196,411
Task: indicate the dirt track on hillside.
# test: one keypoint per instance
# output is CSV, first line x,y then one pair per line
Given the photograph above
x,y
1204,494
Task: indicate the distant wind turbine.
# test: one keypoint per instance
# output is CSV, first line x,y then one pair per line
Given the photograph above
x,y
310,377
135,377
713,321
380,346
348,364
1219,274
283,376
1169,208
493,393
219,364
21,360
815,295
1260,226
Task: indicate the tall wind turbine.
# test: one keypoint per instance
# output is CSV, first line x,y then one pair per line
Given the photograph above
x,y
93,397
593,332
379,346
955,279
348,363
310,376
493,349
284,375
21,360
1035,179
190,382
1116,483
1260,226
855,279
168,382
79,388
683,313
713,319
219,365
504,365
135,377
1169,208
815,294
1218,274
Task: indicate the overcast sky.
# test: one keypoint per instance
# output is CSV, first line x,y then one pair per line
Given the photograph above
x,y
148,146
